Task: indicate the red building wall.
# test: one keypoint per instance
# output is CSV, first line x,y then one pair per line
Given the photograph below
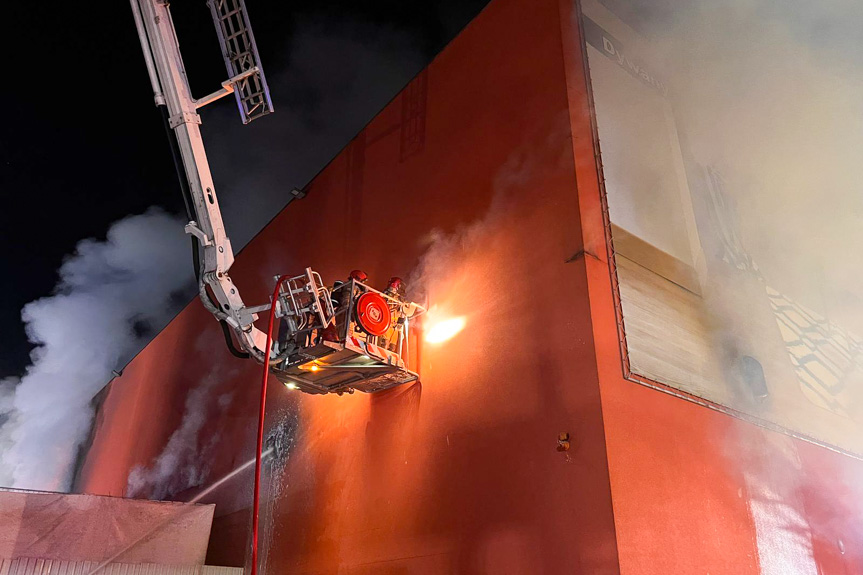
x,y
481,173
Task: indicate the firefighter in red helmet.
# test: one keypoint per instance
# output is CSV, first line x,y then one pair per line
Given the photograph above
x,y
358,275
396,288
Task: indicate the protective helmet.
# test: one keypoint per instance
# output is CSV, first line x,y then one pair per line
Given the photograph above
x,y
358,275
396,284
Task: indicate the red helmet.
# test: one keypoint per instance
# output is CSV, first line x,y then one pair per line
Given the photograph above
x,y
358,275
396,284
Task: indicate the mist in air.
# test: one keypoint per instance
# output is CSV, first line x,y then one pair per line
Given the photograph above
x,y
730,134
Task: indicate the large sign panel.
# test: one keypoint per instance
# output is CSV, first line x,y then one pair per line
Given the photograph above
x,y
729,174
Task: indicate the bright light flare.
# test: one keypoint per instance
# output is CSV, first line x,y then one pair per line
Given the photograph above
x,y
444,330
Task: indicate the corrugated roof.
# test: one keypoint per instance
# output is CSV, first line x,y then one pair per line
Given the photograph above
x,y
34,566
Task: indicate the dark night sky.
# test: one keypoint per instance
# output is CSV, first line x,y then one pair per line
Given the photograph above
x,y
82,145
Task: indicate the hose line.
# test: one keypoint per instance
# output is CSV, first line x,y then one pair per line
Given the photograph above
x,y
260,445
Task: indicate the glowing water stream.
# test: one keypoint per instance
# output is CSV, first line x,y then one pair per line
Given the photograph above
x,y
229,476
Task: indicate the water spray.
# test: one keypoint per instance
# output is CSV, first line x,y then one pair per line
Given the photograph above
x,y
196,499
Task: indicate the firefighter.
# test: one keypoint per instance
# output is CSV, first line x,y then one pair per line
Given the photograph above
x,y
359,276
395,289
341,297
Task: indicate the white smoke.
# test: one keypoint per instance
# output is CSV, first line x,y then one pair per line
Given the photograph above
x,y
111,296
184,461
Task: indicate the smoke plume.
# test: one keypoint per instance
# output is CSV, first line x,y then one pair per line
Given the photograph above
x,y
111,297
759,122
183,463
770,94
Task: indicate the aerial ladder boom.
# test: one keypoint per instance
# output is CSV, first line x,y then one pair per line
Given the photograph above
x,y
331,340
171,90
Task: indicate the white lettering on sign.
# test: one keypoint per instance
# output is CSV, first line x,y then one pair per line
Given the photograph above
x,y
625,62
612,49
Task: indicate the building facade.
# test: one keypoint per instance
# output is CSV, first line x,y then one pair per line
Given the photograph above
x,y
591,416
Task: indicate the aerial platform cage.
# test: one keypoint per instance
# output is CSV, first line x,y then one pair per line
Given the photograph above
x,y
342,339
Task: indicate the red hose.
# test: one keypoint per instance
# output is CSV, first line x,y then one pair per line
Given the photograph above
x,y
257,494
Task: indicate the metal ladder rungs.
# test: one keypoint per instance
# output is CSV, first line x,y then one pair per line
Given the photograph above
x,y
241,55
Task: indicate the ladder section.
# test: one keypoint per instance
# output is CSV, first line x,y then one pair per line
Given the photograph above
x,y
241,56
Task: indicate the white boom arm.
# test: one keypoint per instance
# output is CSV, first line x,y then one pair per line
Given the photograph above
x,y
171,89
317,352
